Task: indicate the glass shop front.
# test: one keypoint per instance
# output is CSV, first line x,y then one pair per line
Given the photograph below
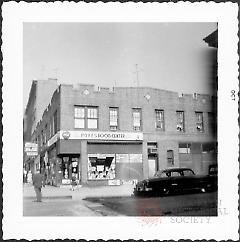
x,y
114,163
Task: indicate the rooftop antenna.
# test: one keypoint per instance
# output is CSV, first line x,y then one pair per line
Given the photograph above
x,y
137,79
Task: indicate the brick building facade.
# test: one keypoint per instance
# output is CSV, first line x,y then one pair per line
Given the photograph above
x,y
109,136
39,97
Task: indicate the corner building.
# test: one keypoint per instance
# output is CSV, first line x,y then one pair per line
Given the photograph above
x,y
106,137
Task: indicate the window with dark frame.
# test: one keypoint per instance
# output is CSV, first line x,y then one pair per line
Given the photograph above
x,y
79,117
50,129
170,157
208,148
159,114
184,148
136,114
85,117
92,118
180,121
45,134
52,126
42,138
113,118
199,121
55,123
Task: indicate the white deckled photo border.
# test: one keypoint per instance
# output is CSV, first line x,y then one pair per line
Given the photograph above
x,y
224,226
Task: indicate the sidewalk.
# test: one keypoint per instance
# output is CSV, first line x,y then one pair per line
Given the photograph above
x,y
51,192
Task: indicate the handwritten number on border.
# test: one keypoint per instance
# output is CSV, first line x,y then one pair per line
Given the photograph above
x,y
233,95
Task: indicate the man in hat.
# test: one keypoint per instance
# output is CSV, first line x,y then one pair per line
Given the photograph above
x,y
37,183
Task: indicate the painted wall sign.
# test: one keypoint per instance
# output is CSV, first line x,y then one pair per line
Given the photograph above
x,y
31,147
95,135
100,135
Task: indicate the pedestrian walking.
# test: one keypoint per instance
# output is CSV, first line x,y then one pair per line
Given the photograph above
x,y
74,182
37,183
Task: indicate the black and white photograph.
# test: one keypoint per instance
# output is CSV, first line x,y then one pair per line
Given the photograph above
x,y
119,112
120,121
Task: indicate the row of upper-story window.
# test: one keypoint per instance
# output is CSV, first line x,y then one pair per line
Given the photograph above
x,y
48,131
87,117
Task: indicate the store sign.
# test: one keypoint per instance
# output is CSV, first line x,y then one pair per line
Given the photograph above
x,y
32,153
53,140
31,149
114,182
95,135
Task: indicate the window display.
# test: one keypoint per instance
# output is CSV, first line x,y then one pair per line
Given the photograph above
x,y
101,166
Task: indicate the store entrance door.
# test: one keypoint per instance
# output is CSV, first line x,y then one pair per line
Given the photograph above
x,y
152,167
70,168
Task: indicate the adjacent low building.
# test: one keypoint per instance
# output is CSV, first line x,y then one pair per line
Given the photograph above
x,y
105,137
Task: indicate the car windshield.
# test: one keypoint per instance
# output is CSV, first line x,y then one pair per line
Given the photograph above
x,y
169,173
188,173
175,173
162,174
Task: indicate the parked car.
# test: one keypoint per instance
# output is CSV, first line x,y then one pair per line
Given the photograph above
x,y
175,180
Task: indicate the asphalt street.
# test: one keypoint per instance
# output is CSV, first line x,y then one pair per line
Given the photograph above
x,y
197,204
201,204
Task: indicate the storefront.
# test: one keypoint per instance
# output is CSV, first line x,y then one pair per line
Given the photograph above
x,y
114,162
95,158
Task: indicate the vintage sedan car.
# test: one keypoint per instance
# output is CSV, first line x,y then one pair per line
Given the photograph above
x,y
175,180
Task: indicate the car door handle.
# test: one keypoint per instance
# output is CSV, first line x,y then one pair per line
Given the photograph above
x,y
174,184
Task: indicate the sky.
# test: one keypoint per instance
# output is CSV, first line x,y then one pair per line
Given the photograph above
x,y
171,56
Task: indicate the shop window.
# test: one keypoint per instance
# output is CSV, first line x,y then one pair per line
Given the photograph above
x,y
159,114
180,121
136,112
212,122
199,121
101,166
170,157
208,148
65,167
113,118
75,166
184,148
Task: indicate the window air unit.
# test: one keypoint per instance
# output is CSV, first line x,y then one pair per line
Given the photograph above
x,y
152,150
